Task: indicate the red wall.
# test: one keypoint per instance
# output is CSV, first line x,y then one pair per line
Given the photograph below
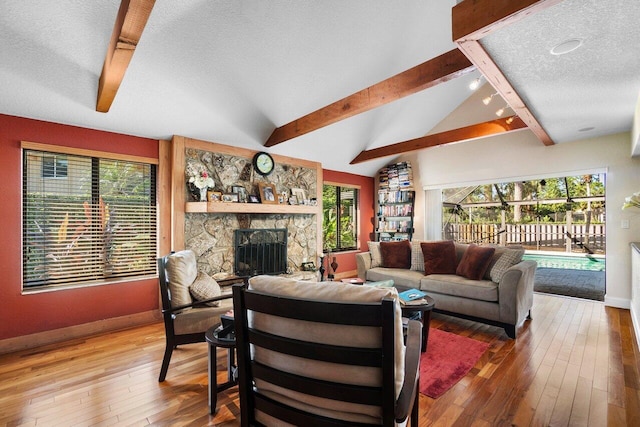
x,y
27,314
347,261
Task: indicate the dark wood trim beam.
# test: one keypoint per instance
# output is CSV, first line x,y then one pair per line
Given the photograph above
x,y
480,130
472,20
130,22
438,70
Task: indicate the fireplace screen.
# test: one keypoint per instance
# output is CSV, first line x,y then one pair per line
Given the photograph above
x,y
260,251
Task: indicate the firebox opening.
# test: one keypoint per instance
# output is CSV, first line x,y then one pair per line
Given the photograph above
x,y
260,251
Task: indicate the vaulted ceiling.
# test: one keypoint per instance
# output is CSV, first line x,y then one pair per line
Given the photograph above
x,y
235,72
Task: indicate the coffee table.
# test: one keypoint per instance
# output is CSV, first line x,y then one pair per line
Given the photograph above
x,y
425,309
214,342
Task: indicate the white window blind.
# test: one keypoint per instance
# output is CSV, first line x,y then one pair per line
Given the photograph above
x,y
95,222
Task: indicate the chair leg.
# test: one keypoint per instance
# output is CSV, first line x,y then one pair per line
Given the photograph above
x,y
165,362
415,409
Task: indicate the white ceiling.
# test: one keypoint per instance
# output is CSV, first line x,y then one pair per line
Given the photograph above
x,y
232,71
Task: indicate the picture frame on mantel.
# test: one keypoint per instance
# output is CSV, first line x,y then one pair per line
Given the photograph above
x,y
268,193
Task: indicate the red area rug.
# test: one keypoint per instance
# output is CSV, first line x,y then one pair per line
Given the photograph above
x,y
448,359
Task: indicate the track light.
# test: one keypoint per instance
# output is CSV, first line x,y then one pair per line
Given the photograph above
x,y
510,120
487,100
500,111
475,84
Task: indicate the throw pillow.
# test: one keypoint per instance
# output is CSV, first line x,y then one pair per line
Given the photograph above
x,y
508,259
182,270
396,254
439,257
204,287
475,261
376,256
417,258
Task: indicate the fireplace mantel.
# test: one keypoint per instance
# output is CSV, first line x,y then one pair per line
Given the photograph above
x,y
249,208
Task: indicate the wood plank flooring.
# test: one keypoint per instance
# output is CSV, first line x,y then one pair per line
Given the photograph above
x,y
576,363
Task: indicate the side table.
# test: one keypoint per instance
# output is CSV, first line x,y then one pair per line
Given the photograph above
x,y
214,342
426,310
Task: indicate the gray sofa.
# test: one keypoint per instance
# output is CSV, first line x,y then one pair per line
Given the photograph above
x,y
505,303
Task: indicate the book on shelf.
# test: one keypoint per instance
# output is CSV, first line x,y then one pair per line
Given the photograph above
x,y
419,301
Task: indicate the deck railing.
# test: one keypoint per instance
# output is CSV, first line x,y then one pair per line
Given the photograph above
x,y
532,236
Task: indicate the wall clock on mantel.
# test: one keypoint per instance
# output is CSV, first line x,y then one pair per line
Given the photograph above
x,y
263,163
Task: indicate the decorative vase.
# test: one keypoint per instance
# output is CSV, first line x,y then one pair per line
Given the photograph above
x,y
334,265
203,194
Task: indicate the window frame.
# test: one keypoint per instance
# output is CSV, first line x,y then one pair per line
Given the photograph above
x,y
357,189
95,155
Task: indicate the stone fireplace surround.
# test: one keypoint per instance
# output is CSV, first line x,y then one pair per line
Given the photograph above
x,y
208,228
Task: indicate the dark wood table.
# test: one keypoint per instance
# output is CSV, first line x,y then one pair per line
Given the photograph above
x,y
214,342
425,309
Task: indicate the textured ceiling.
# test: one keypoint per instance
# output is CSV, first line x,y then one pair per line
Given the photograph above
x,y
232,71
594,87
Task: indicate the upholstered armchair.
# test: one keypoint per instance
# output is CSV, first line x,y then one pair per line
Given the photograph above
x,y
324,354
186,319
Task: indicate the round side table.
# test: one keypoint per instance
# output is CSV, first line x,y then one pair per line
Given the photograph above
x,y
425,309
214,342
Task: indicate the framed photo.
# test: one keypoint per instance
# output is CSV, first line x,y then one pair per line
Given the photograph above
x,y
299,194
293,200
241,192
308,266
230,197
214,196
268,193
253,198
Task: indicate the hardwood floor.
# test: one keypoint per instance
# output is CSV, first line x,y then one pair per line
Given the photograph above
x,y
575,363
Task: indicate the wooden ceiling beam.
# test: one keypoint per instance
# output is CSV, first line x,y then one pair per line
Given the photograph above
x,y
440,69
472,20
479,130
130,22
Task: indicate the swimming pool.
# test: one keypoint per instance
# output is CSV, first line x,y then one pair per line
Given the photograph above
x,y
573,262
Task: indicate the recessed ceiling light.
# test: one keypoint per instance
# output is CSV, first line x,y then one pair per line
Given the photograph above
x,y
587,129
566,46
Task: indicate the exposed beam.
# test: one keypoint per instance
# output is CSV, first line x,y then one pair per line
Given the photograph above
x,y
472,20
130,22
440,69
480,130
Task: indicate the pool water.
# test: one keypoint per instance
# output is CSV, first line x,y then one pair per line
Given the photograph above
x,y
580,262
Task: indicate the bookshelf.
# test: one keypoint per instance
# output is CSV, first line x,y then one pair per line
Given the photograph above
x,y
396,198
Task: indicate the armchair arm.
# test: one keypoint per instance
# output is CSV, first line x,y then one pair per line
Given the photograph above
x,y
515,292
363,263
197,303
411,371
224,283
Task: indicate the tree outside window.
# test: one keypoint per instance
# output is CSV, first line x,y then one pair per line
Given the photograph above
x,y
340,219
95,222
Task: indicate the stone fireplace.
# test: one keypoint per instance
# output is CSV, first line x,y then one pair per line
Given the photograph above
x,y
209,227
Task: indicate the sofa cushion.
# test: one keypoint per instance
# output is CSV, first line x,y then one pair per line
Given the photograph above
x,y
204,287
508,257
417,258
376,256
439,257
182,270
475,262
450,284
400,276
396,254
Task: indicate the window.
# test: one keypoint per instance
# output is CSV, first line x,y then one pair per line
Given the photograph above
x,y
54,166
95,222
340,217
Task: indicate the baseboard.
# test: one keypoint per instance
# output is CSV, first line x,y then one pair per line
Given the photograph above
x,y
617,302
635,320
40,339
